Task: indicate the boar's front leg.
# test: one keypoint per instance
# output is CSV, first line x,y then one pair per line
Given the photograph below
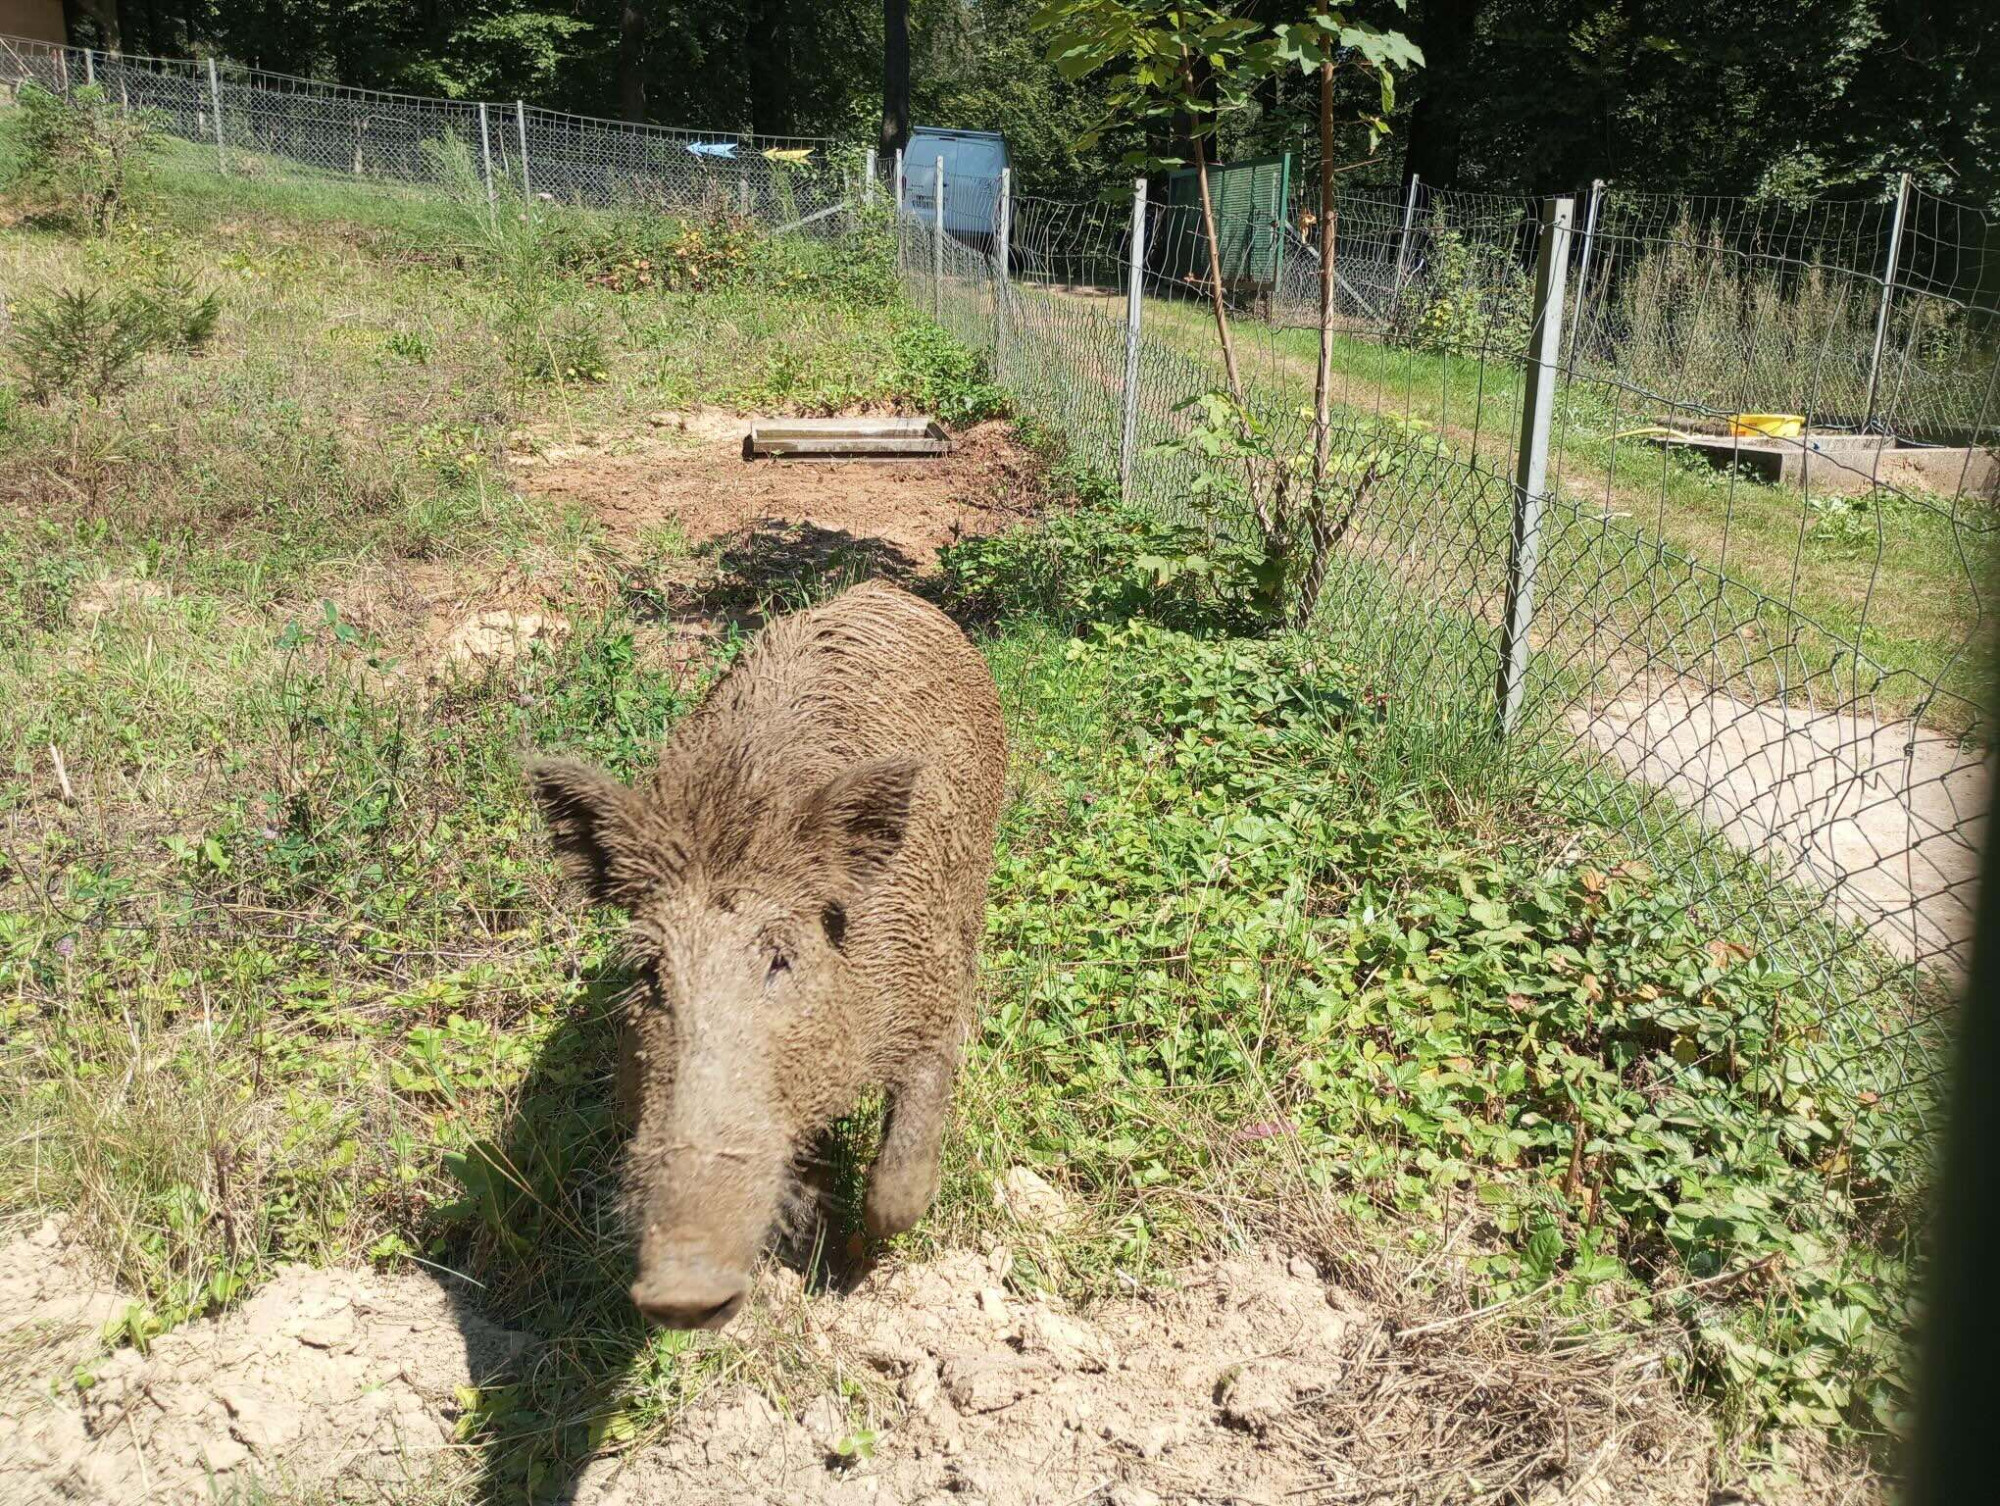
x,y
626,1082
904,1178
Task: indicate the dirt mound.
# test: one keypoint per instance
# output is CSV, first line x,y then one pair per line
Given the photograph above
x,y
1251,1380
695,477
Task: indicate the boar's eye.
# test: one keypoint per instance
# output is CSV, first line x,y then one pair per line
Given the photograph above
x,y
834,919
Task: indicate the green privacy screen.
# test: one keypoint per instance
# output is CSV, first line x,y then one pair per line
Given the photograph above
x,y
1248,198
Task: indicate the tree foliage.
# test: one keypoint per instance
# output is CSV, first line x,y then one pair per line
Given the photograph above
x,y
1790,98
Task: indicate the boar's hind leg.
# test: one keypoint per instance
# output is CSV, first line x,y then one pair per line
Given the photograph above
x,y
905,1175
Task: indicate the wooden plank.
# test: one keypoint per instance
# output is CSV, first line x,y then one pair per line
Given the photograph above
x,y
825,428
857,447
860,438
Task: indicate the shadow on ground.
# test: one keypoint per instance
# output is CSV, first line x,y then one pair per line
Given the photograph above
x,y
537,1227
772,567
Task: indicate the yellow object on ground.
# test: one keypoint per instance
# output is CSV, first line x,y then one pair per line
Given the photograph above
x,y
1770,425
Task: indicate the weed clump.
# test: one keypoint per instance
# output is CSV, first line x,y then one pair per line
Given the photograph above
x,y
1105,561
946,378
1471,299
82,154
91,344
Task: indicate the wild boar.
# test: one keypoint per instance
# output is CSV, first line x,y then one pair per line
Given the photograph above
x,y
805,875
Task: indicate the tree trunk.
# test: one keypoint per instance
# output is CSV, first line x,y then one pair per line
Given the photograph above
x,y
104,13
1267,521
631,61
1215,294
895,78
768,64
1328,235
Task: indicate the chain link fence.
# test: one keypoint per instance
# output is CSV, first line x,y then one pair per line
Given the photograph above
x,y
274,124
1756,661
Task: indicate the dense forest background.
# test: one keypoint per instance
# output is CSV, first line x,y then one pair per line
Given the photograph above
x,y
1783,99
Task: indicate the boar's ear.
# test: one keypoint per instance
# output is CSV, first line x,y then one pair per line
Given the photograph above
x,y
857,819
596,824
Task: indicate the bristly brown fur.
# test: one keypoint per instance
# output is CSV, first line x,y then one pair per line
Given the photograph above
x,y
806,876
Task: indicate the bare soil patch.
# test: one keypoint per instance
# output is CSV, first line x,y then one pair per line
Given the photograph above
x,y
1252,1379
346,1378
689,471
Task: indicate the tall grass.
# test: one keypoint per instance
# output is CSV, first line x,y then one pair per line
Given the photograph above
x,y
1706,324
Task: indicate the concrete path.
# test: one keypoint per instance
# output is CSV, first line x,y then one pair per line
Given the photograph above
x,y
1885,818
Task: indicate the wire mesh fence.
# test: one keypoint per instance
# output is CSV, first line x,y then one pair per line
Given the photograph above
x,y
272,124
1755,660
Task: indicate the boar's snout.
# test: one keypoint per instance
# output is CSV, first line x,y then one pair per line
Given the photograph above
x,y
685,1288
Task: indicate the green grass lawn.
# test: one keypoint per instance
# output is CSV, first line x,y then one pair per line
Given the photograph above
x,y
1275,949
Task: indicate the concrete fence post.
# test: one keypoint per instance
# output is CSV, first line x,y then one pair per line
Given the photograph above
x,y
1135,288
1888,299
1403,241
89,69
1003,260
1583,275
215,108
1531,461
868,178
485,154
62,69
521,137
937,242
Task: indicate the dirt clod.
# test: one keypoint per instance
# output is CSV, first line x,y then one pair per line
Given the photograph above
x,y
1030,1200
120,593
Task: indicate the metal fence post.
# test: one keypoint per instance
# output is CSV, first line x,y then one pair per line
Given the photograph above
x,y
937,243
521,135
62,68
1583,274
89,70
1403,241
1888,297
485,154
899,180
1531,464
868,178
215,105
1135,287
1003,256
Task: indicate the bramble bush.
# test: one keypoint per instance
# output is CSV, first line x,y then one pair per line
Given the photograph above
x,y
1105,561
1652,1119
945,378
